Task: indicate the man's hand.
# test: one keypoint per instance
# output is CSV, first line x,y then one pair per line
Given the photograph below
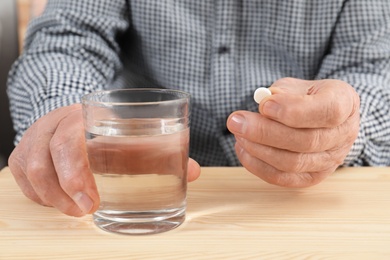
x,y
50,163
302,134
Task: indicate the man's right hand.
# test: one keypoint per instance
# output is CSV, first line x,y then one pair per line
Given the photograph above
x,y
50,164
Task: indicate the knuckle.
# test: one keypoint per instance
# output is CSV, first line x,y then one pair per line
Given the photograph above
x,y
17,160
335,115
338,161
314,141
336,158
298,162
275,179
353,134
258,131
307,179
326,171
31,194
72,182
46,193
283,82
57,142
289,115
34,171
14,162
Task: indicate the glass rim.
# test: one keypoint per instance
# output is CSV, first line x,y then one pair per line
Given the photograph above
x,y
87,101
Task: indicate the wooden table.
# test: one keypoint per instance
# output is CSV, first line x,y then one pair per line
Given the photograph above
x,y
231,215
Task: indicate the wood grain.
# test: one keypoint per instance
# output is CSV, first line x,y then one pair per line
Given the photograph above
x,y
231,215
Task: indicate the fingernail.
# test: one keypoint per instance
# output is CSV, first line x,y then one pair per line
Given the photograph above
x,y
83,201
237,124
271,109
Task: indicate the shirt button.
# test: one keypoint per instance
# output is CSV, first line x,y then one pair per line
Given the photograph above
x,y
223,50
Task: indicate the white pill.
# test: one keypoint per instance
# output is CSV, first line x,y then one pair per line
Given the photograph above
x,y
261,93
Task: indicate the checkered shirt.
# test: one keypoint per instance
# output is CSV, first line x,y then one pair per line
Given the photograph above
x,y
219,51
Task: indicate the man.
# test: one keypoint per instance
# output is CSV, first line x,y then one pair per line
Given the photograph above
x,y
317,57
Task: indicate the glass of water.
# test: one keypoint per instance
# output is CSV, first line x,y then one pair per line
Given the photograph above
x,y
137,142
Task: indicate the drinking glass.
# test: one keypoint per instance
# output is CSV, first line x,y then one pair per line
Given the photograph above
x,y
137,142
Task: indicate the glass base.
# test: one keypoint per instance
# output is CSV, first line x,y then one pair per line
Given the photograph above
x,y
139,223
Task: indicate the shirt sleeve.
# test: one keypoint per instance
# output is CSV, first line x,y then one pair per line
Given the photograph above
x,y
70,50
360,55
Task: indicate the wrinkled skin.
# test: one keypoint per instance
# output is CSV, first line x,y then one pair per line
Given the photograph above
x,y
51,167
302,133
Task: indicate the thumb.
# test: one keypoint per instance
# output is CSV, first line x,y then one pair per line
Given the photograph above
x,y
193,170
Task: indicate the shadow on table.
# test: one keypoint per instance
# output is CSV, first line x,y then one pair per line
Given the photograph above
x,y
256,200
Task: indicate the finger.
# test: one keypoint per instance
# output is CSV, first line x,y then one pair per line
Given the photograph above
x,y
31,164
42,175
287,161
68,151
14,162
259,129
32,158
193,170
45,183
325,103
274,176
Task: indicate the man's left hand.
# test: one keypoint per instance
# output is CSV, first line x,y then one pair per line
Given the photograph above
x,y
302,134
